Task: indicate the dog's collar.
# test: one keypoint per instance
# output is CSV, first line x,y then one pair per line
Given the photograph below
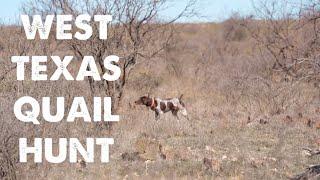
x,y
152,103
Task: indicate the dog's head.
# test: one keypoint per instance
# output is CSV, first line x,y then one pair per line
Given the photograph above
x,y
144,100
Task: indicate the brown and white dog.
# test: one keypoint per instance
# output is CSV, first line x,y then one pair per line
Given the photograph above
x,y
161,106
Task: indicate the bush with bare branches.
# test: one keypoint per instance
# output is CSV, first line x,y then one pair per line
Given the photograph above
x,y
137,34
289,33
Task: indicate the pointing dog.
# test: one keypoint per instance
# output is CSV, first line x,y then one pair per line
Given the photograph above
x,y
161,106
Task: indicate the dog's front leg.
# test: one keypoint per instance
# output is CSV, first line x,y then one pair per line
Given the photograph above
x,y
157,115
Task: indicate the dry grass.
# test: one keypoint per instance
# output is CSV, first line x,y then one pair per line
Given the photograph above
x,y
238,127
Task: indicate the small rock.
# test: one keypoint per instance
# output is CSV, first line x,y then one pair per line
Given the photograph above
x,y
249,120
224,157
317,124
256,163
306,153
263,121
81,163
163,156
288,119
234,159
209,148
317,142
210,164
126,177
130,156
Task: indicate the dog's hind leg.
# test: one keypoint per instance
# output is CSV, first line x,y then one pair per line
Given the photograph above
x,y
175,113
184,113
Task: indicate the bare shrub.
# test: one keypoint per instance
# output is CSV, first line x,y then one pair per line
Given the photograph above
x,y
14,43
136,34
289,34
233,30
